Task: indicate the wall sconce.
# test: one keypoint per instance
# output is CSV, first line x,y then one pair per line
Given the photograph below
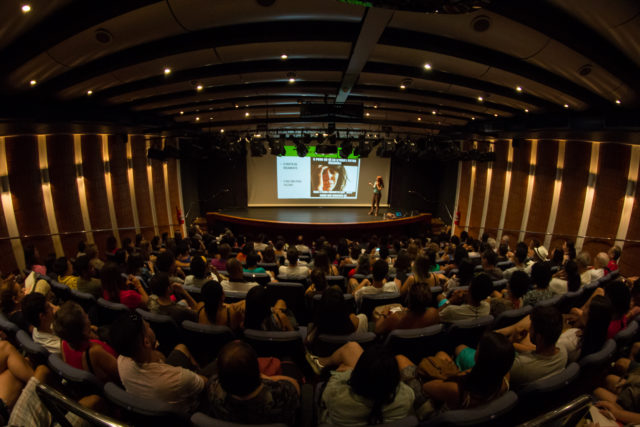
x,y
44,173
4,183
79,172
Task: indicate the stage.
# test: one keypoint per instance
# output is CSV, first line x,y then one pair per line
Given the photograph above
x,y
312,222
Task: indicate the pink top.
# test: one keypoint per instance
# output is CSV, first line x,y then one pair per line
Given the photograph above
x,y
40,269
616,326
130,298
74,357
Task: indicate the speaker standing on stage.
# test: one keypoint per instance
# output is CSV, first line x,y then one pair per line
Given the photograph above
x,y
378,185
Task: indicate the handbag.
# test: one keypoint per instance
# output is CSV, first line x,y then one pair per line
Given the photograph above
x,y
435,368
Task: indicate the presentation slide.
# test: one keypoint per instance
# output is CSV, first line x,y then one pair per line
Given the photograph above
x,y
314,180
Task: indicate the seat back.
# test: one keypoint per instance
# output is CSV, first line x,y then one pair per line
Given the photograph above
x,y
194,291
410,421
201,420
61,291
234,296
543,388
269,266
346,268
369,302
37,353
275,343
108,311
503,265
499,285
205,341
416,343
509,317
570,300
627,336
261,278
140,411
326,344
59,405
87,301
549,302
337,281
293,295
349,300
77,382
467,332
284,279
587,291
9,328
492,413
166,330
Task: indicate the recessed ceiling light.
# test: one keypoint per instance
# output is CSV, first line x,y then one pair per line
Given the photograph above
x,y
375,106
236,106
419,119
473,118
221,130
495,114
617,101
292,80
518,88
181,113
427,66
26,8
316,133
480,99
325,135
167,70
434,112
526,110
210,108
402,86
210,118
197,119
246,114
283,56
89,92
33,83
199,88
566,105
367,114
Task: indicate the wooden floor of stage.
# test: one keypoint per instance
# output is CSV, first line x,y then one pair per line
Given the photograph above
x,y
307,215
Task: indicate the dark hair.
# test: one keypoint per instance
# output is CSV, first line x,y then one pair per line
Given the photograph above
x,y
343,248
376,377
595,331
616,252
69,324
354,251
364,265
521,252
252,260
134,264
212,296
380,270
60,266
547,322
340,183
519,284
126,334
465,272
198,267
82,265
319,280
573,278
494,358
460,254
620,297
490,256
464,236
30,258
292,255
234,269
224,250
269,254
257,308
557,257
112,244
421,267
7,295
541,274
238,369
321,260
419,298
120,256
112,281
503,249
247,248
126,243
159,284
33,305
402,265
481,287
571,248
182,248
165,261
332,316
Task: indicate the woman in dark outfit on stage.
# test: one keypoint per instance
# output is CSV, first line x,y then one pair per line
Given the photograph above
x,y
377,195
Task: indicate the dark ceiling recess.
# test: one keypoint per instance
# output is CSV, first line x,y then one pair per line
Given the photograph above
x,y
585,70
481,23
266,3
428,6
103,36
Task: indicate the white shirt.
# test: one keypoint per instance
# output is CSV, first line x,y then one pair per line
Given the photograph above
x,y
49,341
372,290
297,272
229,286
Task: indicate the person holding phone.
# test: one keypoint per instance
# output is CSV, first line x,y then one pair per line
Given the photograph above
x,y
378,185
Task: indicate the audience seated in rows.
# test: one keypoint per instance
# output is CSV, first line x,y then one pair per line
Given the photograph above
x,y
333,317
216,312
40,314
236,281
259,314
163,300
376,285
418,313
467,304
510,298
124,290
294,270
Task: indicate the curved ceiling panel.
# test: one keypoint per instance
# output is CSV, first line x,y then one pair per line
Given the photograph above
x,y
15,22
293,50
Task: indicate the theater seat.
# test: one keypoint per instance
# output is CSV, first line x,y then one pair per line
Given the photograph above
x,y
293,295
87,301
38,355
416,343
551,302
509,317
167,332
201,420
570,300
369,302
269,266
410,421
503,265
337,281
625,338
140,411
593,366
326,344
467,332
78,383
234,296
108,311
261,278
349,300
499,285
61,291
491,414
275,343
205,341
9,328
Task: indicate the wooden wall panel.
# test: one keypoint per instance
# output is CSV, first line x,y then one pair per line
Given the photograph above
x,y
477,204
139,156
611,185
518,191
463,197
496,195
574,186
7,260
93,169
629,265
64,191
174,194
160,199
546,160
120,186
26,190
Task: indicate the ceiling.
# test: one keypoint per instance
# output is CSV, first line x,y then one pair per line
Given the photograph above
x,y
535,65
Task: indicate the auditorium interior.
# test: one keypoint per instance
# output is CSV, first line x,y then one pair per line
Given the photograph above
x,y
164,140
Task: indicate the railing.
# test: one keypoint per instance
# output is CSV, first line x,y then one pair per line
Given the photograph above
x,y
542,233
97,230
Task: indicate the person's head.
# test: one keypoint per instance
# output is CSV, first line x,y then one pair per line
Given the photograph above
x,y
412,250
62,267
546,326
460,254
321,260
238,369
520,254
480,288
37,310
160,285
464,236
198,267
166,262
127,244
11,294
31,256
557,256
84,267
573,277
252,260
364,264
601,261
92,251
569,248
257,308
376,377
134,264
112,244
279,246
380,270
72,324
333,177
614,252
419,298
541,274
182,250
489,259
269,255
131,336
519,284
224,250
494,358
247,248
213,297
620,297
465,272
583,260
421,267
234,269
540,253
596,318
379,181
318,279
503,249
292,256
112,281
331,315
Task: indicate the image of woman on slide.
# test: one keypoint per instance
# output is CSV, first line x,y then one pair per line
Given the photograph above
x,y
329,178
378,185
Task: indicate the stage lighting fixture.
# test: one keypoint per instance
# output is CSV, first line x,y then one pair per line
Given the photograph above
x,y
346,148
387,148
363,148
301,148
